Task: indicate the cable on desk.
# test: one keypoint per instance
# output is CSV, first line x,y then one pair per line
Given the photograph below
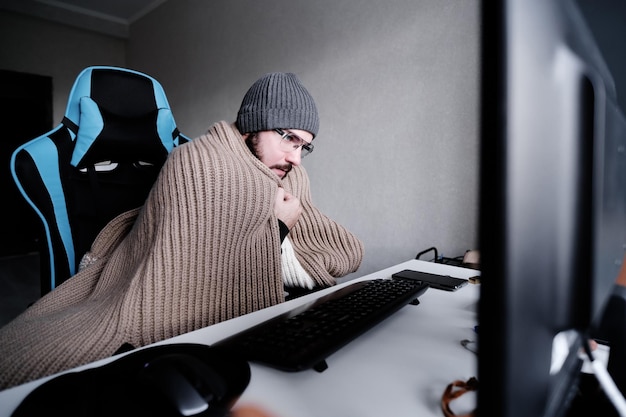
x,y
433,249
456,261
453,391
470,345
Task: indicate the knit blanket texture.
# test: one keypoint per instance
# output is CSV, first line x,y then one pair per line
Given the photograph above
x,y
205,247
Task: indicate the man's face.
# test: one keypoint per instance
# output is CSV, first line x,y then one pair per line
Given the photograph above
x,y
274,152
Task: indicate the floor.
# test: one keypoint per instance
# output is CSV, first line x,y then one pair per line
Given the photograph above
x,y
19,284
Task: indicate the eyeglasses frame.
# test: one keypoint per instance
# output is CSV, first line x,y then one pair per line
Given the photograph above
x,y
307,147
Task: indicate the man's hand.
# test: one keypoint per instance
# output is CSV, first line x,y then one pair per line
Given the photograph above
x,y
287,208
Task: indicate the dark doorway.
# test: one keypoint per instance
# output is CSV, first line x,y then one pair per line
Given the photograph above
x,y
25,113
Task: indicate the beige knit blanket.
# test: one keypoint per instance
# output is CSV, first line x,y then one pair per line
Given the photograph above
x,y
204,248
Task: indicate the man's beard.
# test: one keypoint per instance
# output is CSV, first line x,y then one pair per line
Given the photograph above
x,y
253,144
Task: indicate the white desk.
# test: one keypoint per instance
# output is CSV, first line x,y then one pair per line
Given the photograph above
x,y
399,368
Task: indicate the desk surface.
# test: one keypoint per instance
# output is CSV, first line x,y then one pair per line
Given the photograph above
x,y
401,367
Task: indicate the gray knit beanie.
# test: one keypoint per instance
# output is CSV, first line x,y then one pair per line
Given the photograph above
x,y
277,101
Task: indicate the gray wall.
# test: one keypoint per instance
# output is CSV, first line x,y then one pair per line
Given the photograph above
x,y
40,47
396,84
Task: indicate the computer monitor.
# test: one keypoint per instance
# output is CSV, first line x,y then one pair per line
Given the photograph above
x,y
552,220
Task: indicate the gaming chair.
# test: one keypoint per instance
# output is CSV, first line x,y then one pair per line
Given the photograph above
x,y
100,161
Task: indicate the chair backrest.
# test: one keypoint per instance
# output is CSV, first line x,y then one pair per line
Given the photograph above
x,y
100,161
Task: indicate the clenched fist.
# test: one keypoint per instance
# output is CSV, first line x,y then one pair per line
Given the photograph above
x,y
287,208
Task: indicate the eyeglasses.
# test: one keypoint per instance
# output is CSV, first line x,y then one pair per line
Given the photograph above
x,y
290,142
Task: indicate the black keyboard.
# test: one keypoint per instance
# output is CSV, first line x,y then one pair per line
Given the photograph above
x,y
304,337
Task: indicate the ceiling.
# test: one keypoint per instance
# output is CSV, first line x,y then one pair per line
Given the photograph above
x,y
109,17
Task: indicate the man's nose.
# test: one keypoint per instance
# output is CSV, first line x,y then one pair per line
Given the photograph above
x,y
295,157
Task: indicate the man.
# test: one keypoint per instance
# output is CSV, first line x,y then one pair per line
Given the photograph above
x,y
228,225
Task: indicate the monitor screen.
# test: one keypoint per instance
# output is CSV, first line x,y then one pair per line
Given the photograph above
x,y
552,203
